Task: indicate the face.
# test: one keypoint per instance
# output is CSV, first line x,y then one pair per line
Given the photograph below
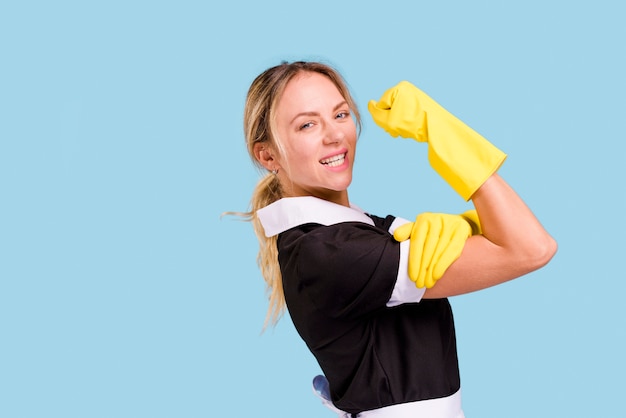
x,y
318,134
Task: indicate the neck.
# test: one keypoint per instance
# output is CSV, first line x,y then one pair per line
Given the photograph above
x,y
339,198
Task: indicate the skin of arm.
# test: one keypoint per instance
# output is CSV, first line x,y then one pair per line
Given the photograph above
x,y
513,243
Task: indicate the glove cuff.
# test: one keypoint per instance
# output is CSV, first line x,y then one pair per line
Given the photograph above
x,y
462,157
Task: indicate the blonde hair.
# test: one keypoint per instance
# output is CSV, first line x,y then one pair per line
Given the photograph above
x,y
258,122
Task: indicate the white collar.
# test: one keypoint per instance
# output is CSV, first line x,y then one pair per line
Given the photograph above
x,y
290,212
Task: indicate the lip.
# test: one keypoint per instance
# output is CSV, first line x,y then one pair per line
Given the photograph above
x,y
343,166
343,151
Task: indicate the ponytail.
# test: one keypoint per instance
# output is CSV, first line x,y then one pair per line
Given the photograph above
x,y
267,191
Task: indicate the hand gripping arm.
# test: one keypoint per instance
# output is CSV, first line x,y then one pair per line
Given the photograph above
x,y
436,241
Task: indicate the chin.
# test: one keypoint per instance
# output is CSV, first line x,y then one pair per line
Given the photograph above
x,y
341,187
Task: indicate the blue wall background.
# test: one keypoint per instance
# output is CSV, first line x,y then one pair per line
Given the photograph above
x,y
123,293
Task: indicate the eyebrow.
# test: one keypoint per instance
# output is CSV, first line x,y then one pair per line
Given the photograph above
x,y
337,106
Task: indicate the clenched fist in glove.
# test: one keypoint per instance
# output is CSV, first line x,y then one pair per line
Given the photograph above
x,y
459,154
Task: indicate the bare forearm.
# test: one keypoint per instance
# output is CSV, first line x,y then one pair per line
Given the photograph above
x,y
508,223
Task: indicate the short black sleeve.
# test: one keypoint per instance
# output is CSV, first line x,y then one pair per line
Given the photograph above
x,y
346,270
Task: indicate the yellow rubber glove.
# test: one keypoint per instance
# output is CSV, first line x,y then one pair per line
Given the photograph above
x,y
436,241
471,216
459,154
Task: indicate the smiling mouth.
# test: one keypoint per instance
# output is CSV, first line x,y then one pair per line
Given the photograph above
x,y
334,161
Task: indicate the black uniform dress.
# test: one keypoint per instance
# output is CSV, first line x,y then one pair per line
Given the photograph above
x,y
348,294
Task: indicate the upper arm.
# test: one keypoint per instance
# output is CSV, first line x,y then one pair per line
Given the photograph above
x,y
482,264
513,243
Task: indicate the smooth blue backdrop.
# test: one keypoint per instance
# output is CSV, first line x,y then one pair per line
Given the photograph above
x,y
123,293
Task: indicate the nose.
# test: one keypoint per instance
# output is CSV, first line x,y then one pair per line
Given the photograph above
x,y
334,133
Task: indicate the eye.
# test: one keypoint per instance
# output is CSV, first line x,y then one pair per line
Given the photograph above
x,y
306,125
342,115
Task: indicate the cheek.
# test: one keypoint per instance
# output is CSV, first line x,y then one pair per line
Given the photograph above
x,y
352,127
351,135
298,156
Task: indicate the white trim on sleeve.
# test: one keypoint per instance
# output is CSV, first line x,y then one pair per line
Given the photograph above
x,y
404,291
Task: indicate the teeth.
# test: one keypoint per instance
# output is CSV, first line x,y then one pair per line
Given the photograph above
x,y
334,161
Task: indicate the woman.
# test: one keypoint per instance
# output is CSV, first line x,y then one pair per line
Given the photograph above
x,y
372,309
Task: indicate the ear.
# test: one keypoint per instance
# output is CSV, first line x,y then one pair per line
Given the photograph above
x,y
265,156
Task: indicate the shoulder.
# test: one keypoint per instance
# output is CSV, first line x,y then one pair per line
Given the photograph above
x,y
339,238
